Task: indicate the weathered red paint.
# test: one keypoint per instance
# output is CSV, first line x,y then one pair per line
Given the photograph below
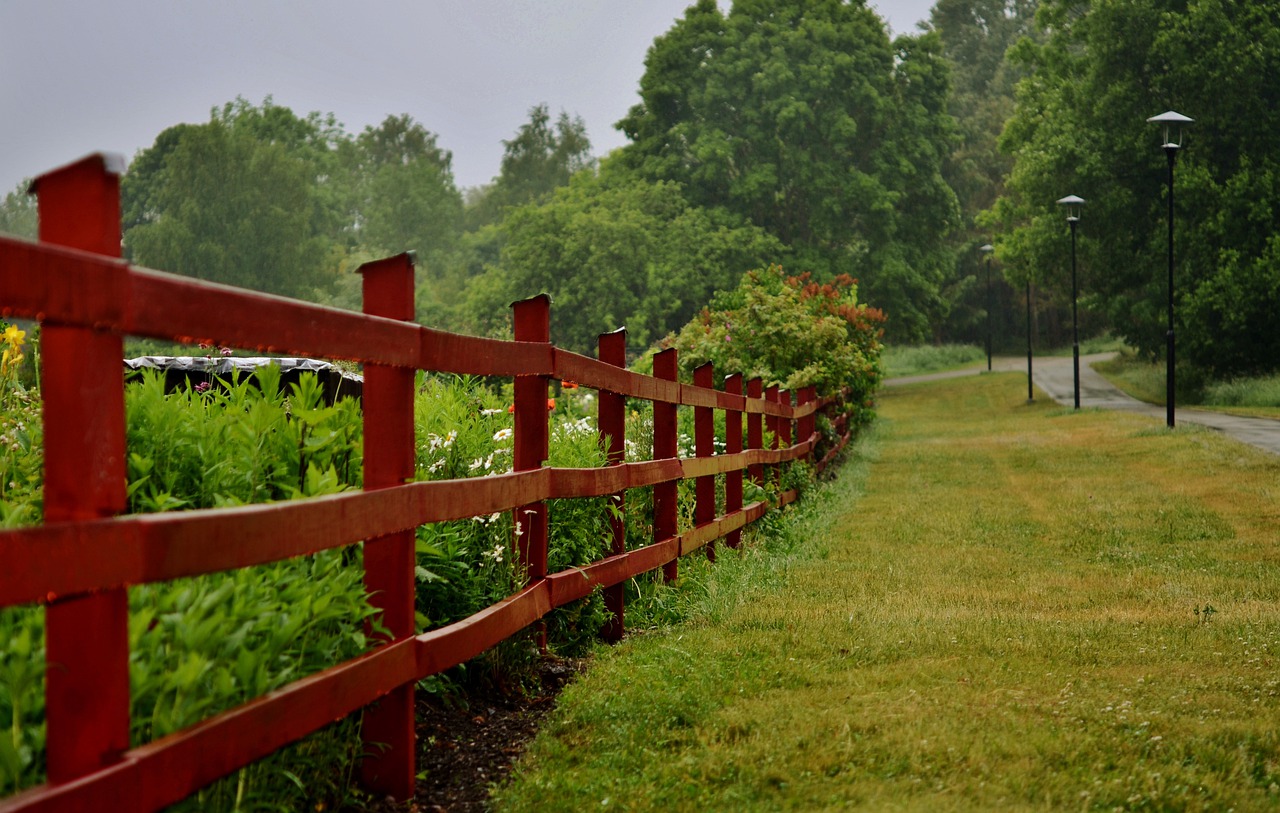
x,y
611,423
704,436
87,643
785,429
755,428
733,445
774,424
532,323
665,445
388,726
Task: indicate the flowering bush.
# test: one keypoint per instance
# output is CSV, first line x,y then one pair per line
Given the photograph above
x,y
792,332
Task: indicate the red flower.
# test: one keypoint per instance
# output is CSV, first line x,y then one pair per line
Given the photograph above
x,y
511,409
551,404
568,385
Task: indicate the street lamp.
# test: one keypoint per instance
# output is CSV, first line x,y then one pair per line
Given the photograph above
x,y
1031,398
987,249
1074,206
1171,124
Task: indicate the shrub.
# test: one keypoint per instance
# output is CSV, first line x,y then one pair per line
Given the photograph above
x,y
791,332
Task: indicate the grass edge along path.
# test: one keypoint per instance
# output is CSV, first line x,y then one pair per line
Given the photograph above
x,y
994,605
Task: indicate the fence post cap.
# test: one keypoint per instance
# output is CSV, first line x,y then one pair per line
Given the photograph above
x,y
110,163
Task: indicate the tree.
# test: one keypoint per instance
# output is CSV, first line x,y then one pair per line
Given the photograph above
x,y
229,208
406,198
18,213
803,119
611,251
250,198
538,160
975,36
1101,70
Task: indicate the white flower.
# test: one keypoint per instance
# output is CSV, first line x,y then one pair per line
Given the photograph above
x,y
436,466
487,412
475,464
502,434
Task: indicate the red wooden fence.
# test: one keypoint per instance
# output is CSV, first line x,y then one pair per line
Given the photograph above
x,y
80,563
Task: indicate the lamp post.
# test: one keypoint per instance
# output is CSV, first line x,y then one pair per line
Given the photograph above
x,y
1031,399
987,249
1074,205
1171,124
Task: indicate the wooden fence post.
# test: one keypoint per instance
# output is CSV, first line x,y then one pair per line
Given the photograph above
x,y
704,440
755,430
665,445
733,445
388,726
611,422
785,432
532,440
87,637
774,424
808,422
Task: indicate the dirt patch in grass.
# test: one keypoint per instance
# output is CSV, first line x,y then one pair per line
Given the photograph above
x,y
467,745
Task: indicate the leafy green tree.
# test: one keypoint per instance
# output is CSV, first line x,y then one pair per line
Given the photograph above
x,y
234,210
613,251
975,36
18,213
540,158
247,199
1102,68
803,118
406,198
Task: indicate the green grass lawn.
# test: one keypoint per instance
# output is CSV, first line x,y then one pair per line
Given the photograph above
x,y
902,360
994,606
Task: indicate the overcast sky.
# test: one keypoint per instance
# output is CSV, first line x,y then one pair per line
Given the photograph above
x,y
82,76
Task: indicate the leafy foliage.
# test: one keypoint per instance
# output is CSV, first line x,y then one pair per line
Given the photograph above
x,y
804,120
201,645
230,202
539,159
1101,70
789,331
18,213
613,251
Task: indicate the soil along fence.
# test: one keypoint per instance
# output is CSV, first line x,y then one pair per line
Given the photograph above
x,y
80,563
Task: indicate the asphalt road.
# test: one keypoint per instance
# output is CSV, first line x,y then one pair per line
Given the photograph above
x,y
1052,376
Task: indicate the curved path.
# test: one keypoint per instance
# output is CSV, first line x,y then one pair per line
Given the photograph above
x,y
1052,376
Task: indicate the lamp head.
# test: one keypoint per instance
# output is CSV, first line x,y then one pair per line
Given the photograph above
x,y
1075,205
1172,124
987,249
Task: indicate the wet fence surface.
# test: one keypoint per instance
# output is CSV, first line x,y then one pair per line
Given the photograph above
x,y
81,561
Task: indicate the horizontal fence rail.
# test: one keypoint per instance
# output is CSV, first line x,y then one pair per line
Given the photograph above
x,y
80,563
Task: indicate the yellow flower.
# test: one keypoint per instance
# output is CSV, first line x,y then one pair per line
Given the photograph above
x,y
13,336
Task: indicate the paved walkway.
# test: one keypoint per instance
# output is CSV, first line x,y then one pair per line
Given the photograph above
x,y
1052,376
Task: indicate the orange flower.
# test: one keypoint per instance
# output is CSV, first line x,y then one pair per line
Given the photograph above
x,y
511,409
568,385
551,404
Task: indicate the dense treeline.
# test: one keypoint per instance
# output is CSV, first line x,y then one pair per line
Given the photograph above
x,y
1095,72
796,134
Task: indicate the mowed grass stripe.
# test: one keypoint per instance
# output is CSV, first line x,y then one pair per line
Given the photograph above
x,y
994,606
